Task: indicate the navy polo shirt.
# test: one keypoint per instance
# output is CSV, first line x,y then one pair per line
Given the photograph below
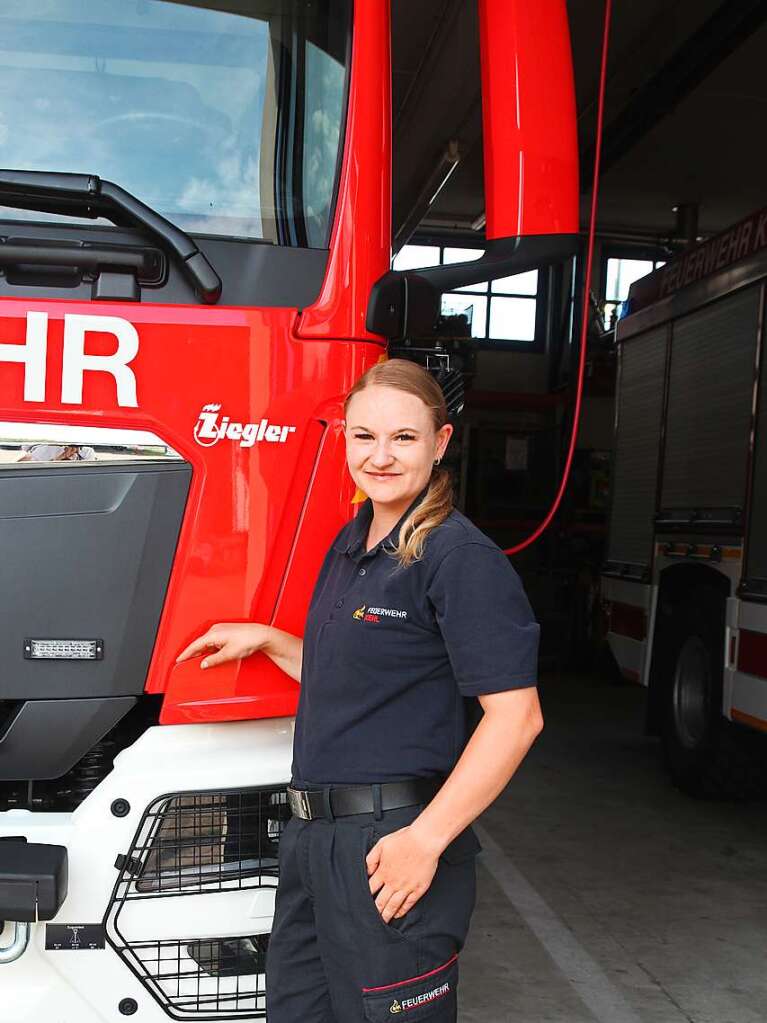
x,y
391,653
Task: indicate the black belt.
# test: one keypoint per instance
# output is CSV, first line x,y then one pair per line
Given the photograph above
x,y
342,801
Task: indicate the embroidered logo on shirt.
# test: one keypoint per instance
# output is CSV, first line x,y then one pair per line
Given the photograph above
x,y
375,614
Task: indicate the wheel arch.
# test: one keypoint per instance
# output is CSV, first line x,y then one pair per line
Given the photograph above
x,y
677,585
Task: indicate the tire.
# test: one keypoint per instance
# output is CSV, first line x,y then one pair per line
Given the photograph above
x,y
706,755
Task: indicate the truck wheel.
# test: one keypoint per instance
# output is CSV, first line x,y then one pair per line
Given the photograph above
x,y
707,755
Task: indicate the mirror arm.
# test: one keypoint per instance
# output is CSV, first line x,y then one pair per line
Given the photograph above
x,y
406,303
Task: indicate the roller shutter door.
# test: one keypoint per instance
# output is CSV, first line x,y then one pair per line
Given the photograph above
x,y
709,408
635,474
756,554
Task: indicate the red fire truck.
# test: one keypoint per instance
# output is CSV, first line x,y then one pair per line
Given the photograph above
x,y
685,583
194,268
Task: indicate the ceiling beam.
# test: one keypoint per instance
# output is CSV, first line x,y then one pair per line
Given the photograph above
x,y
425,72
442,107
718,37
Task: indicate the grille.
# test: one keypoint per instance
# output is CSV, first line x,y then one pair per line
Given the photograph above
x,y
191,844
205,842
215,978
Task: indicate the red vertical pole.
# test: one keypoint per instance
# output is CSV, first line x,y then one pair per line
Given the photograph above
x,y
529,119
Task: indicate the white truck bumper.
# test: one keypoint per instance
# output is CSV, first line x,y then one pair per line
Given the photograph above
x,y
149,926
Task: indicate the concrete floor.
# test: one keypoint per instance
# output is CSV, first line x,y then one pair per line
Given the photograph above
x,y
604,893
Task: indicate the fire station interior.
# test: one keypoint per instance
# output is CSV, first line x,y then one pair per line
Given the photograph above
x,y
608,890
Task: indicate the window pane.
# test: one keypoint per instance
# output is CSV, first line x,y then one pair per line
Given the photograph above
x,y
474,308
322,128
414,257
512,319
519,284
621,274
454,255
462,255
176,102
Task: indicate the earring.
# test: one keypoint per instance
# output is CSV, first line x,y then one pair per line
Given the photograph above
x,y
437,461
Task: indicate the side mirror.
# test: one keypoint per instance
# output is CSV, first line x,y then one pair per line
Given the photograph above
x,y
531,165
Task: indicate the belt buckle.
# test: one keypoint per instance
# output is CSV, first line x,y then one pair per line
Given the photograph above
x,y
299,803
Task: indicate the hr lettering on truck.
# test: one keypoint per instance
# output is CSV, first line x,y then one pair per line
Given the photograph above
x,y
33,353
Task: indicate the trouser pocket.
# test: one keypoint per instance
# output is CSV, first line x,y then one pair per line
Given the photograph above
x,y
397,928
431,996
445,909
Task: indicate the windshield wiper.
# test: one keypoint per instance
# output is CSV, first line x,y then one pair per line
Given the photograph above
x,y
77,195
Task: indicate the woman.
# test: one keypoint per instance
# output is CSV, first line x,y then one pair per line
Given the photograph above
x,y
414,612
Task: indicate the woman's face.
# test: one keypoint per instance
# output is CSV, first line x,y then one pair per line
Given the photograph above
x,y
391,444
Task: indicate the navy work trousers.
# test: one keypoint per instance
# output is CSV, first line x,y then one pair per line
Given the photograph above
x,y
331,956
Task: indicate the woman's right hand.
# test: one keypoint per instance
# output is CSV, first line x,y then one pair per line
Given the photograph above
x,y
230,641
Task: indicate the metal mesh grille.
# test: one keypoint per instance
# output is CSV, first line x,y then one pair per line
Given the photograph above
x,y
216,978
192,844
205,842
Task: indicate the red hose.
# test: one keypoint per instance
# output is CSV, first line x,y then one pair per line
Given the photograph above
x,y
586,291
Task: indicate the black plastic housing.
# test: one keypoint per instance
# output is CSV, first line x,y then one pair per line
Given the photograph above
x,y
86,549
33,881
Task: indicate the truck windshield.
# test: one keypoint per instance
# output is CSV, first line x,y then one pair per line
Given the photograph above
x,y
226,116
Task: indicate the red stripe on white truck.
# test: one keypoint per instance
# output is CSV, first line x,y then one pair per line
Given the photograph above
x,y
626,619
752,653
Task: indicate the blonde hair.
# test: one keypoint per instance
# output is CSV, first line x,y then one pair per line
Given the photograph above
x,y
403,375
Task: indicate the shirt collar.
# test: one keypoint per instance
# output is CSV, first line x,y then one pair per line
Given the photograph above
x,y
353,543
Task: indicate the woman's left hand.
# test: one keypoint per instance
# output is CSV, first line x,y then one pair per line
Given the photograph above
x,y
400,870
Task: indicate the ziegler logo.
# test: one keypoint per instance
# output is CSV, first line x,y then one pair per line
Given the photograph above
x,y
210,428
375,614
